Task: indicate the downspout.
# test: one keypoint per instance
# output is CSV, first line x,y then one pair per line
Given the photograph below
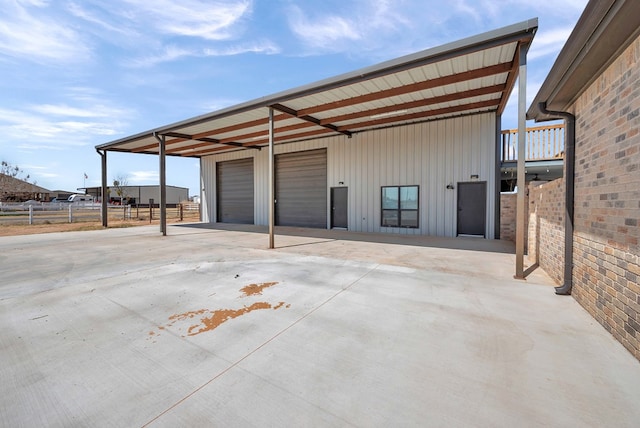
x,y
569,181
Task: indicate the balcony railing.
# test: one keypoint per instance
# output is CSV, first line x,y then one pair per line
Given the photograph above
x,y
541,143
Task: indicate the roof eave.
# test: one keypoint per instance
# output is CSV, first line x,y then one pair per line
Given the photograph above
x,y
604,30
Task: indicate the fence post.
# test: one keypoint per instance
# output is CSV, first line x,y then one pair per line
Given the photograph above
x,y
30,214
70,213
150,210
181,212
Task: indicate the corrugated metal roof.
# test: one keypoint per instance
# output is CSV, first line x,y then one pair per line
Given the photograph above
x,y
470,76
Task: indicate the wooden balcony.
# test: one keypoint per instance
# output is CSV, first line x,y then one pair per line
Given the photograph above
x,y
542,143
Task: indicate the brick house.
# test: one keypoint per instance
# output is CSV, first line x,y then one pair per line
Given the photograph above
x,y
595,86
15,190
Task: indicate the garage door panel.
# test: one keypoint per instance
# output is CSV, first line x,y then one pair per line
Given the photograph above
x,y
301,189
235,196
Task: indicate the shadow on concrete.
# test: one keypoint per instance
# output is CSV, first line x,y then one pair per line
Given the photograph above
x,y
458,243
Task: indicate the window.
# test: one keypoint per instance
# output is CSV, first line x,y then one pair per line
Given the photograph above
x,y
400,206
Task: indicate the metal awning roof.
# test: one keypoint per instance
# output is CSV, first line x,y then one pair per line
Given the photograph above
x,y
470,76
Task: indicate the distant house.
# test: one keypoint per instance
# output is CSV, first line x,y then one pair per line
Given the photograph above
x,y
15,190
140,195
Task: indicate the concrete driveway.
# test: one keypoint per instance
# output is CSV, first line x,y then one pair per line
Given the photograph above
x,y
206,327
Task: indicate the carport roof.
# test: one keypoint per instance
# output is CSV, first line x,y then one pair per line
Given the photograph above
x,y
470,76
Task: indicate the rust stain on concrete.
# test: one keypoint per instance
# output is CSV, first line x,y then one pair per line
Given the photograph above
x,y
223,315
281,304
210,320
256,289
186,315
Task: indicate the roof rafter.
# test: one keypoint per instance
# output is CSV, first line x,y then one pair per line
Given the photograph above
x,y
419,103
504,67
205,141
279,139
511,78
307,118
426,114
378,122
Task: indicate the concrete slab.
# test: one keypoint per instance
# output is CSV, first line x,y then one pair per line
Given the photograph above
x,y
124,327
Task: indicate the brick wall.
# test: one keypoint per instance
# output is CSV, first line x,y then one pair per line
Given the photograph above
x,y
546,227
508,202
508,216
607,204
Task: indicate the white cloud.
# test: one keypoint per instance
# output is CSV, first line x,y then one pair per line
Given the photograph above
x,y
57,126
173,53
322,32
47,174
549,42
169,53
221,103
359,25
65,110
78,11
264,47
140,177
191,18
27,31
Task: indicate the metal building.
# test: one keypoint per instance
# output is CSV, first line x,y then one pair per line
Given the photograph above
x,y
140,195
407,146
339,182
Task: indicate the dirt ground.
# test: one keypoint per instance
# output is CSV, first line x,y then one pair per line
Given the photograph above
x,y
26,229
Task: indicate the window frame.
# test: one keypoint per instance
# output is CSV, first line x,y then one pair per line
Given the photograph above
x,y
398,209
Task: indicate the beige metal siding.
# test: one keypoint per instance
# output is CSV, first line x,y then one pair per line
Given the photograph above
x,y
235,196
431,155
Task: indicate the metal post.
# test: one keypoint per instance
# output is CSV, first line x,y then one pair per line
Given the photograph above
x,y
271,182
70,213
521,180
498,178
30,214
163,184
105,196
201,193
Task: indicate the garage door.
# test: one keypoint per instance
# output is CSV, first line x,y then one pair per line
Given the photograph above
x,y
235,191
301,189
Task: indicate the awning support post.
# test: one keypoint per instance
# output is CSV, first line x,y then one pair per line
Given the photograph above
x,y
105,197
521,180
271,183
163,182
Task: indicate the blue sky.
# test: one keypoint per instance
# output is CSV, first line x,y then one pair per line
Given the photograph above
x,y
85,72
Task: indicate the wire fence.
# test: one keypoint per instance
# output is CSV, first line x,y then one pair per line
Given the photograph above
x,y
49,213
